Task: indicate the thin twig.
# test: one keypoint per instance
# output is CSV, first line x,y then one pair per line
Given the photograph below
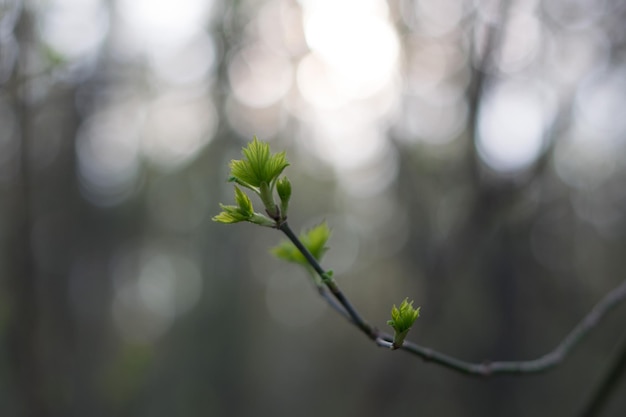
x,y
606,387
332,302
355,317
484,369
541,364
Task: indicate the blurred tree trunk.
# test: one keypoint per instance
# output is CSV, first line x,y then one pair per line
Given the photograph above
x,y
24,324
41,197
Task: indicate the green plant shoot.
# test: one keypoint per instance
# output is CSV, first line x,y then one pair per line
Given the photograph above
x,y
283,188
401,320
242,212
258,172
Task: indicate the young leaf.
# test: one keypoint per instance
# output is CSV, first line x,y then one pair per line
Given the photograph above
x,y
401,320
244,203
313,239
242,212
231,214
258,166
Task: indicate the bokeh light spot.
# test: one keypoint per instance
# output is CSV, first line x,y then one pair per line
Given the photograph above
x,y
512,124
361,56
601,101
177,126
107,146
65,19
190,63
162,24
315,83
258,76
521,41
169,286
435,18
153,286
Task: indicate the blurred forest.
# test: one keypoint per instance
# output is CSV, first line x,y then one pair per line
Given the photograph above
x,y
468,154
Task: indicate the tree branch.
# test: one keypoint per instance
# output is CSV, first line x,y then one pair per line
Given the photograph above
x,y
608,383
354,316
484,369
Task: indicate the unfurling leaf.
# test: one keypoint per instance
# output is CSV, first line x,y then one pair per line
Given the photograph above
x,y
242,212
230,214
313,239
244,203
401,320
258,166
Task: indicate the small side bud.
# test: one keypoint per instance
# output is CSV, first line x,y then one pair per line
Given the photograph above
x,y
283,188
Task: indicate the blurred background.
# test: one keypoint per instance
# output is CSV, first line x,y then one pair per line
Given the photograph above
x,y
467,154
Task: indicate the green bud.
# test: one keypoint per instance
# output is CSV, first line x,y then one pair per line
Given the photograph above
x,y
328,276
283,188
262,220
401,320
